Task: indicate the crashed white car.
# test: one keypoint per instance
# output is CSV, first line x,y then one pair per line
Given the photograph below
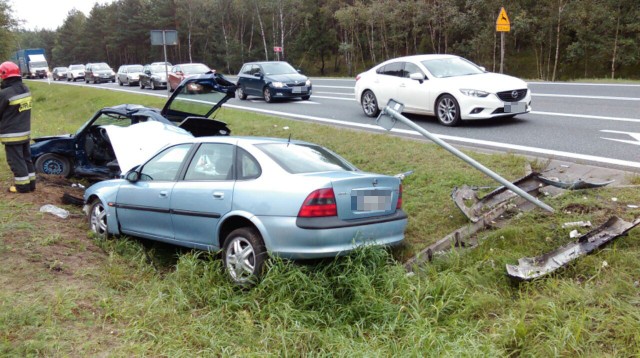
x,y
116,138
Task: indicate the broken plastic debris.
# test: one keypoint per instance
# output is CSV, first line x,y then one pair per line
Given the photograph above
x,y
529,268
77,185
578,184
577,223
574,233
59,212
631,206
605,264
614,199
285,128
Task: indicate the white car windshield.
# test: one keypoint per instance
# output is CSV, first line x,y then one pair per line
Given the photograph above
x,y
135,68
195,68
278,68
101,66
451,67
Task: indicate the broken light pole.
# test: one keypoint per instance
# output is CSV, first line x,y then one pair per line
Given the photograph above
x,y
392,113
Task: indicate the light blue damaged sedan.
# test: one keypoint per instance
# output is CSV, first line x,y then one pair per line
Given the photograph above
x,y
251,198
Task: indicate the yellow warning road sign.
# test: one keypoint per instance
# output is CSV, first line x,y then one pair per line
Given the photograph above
x,y
502,23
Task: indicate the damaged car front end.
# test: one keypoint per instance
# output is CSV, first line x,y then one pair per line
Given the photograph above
x,y
89,153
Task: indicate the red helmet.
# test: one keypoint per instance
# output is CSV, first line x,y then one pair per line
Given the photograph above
x,y
9,69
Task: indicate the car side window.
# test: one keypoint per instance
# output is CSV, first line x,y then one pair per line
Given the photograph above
x,y
255,69
212,161
394,69
246,70
248,166
165,165
410,68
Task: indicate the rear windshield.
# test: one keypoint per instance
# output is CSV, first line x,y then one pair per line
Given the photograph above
x,y
304,158
195,68
135,68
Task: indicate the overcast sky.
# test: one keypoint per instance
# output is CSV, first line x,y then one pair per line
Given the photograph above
x,y
48,14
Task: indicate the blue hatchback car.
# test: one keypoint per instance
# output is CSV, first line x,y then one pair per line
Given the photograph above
x,y
271,81
250,197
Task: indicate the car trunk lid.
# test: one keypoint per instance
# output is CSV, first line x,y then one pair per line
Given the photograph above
x,y
195,100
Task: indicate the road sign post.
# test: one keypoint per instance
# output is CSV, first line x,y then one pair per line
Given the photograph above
x,y
278,51
164,38
502,25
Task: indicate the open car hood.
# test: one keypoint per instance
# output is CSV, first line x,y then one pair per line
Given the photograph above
x,y
194,102
135,144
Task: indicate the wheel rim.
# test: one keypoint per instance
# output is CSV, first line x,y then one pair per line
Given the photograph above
x,y
447,111
53,166
99,220
153,85
267,95
240,259
369,104
240,93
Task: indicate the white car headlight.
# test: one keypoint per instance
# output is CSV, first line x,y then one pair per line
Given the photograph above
x,y
277,84
474,93
308,83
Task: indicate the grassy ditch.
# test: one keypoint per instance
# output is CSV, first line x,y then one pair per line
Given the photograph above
x,y
66,294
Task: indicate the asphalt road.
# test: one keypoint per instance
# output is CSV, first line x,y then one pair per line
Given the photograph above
x,y
596,124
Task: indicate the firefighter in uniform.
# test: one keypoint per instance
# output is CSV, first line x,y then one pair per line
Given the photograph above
x,y
15,127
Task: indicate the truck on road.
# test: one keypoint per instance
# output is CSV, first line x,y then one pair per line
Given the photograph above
x,y
32,62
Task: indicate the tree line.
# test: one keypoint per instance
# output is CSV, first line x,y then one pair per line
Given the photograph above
x,y
549,39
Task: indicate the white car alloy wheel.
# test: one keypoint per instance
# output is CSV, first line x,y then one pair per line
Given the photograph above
x,y
448,111
369,104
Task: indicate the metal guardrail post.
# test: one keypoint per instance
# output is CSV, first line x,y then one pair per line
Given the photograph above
x,y
392,113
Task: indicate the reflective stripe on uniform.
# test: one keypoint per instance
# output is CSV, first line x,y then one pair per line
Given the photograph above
x,y
14,137
23,100
21,180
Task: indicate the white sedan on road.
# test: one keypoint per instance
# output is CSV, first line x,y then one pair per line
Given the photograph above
x,y
447,86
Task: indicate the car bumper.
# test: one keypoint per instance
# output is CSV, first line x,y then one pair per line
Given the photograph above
x,y
285,239
491,107
291,92
104,79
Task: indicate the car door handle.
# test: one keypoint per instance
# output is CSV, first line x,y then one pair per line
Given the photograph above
x,y
218,195
163,194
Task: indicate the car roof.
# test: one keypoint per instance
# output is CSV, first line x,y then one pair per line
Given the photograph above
x,y
264,62
422,57
247,140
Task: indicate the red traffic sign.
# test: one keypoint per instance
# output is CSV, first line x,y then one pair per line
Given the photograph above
x,y
277,49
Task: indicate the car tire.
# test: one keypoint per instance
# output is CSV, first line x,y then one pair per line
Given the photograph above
x,y
244,256
369,104
120,83
448,110
305,98
141,85
53,164
241,93
97,217
266,93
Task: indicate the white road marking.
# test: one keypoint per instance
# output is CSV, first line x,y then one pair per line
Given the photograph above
x,y
521,148
587,116
635,136
585,97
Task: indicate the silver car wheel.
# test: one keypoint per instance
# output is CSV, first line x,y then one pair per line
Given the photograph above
x,y
98,219
244,256
267,95
448,111
240,259
369,104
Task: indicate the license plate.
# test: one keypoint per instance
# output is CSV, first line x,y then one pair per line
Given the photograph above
x,y
299,90
371,200
515,107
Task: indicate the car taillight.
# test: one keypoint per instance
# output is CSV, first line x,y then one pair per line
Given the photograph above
x,y
399,204
321,202
357,78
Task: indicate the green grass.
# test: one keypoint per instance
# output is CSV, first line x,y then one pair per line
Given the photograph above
x,y
137,298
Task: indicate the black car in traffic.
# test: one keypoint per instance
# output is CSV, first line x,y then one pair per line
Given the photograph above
x,y
272,80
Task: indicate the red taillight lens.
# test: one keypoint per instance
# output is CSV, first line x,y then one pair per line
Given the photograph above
x,y
321,202
399,204
357,77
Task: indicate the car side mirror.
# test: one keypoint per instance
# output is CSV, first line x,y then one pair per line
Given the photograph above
x,y
299,71
417,76
258,74
483,69
133,175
